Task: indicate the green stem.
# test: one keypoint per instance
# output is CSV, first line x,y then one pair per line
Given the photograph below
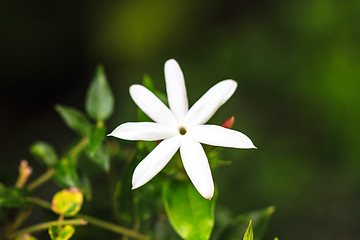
x,y
78,147
113,227
40,180
45,225
97,222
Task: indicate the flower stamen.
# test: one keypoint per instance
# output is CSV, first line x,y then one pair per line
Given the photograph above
x,y
182,130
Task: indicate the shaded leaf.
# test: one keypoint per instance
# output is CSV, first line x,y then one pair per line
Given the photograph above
x,y
101,157
99,100
65,173
237,227
67,202
249,233
15,197
44,153
74,119
57,232
96,135
191,215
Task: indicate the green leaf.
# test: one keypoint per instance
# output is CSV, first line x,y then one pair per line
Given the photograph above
x,y
124,196
15,197
44,153
237,226
61,233
65,173
276,238
191,215
249,233
101,157
74,119
67,202
96,135
99,100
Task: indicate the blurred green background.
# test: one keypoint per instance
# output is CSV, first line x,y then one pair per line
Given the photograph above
x,y
297,64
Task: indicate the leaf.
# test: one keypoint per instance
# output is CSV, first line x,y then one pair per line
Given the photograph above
x,y
237,226
65,173
15,197
96,135
74,119
44,153
276,238
191,215
99,100
249,233
61,233
101,157
124,196
67,202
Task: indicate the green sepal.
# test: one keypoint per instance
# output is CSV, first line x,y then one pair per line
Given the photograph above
x,y
237,226
15,197
74,119
57,232
249,235
67,202
44,153
99,100
191,215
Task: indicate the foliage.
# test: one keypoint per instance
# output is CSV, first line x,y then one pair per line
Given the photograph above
x,y
168,207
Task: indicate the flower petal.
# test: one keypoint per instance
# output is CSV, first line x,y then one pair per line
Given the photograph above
x,y
210,102
151,105
197,167
155,161
175,88
219,136
146,131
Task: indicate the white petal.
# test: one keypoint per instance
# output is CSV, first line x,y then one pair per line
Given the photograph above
x,y
210,102
151,105
197,167
175,88
219,136
147,131
155,161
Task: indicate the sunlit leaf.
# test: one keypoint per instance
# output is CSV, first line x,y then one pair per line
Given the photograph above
x,y
57,232
249,235
44,153
237,227
99,100
15,197
191,215
74,119
67,202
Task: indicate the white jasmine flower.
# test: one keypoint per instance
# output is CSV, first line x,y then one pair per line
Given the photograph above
x,y
180,128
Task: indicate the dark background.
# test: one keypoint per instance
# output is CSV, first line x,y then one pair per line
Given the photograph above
x,y
297,64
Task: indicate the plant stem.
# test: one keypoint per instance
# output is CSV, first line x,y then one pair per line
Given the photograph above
x,y
78,147
97,222
113,227
40,180
45,225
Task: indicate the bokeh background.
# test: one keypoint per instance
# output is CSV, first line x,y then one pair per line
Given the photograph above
x,y
297,64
